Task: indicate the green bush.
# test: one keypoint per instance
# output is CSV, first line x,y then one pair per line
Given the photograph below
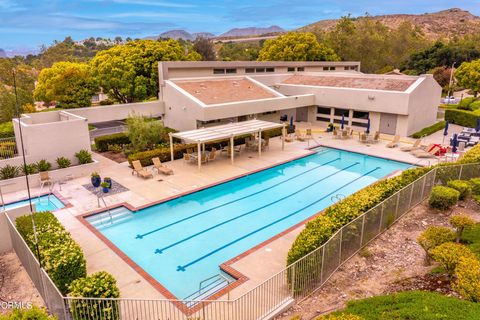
x,y
35,313
472,155
443,198
30,168
63,162
98,285
146,134
464,118
163,153
8,172
434,236
102,143
43,165
61,257
462,186
467,283
460,222
465,103
429,130
475,184
413,305
84,157
449,254
107,102
6,130
475,105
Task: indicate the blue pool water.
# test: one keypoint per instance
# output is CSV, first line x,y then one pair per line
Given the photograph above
x,y
183,241
42,203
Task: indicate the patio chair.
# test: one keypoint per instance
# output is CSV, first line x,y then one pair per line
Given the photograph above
x,y
428,154
394,143
187,157
45,179
189,150
376,137
160,167
265,144
212,155
140,171
289,138
345,134
335,134
300,136
309,133
363,138
415,146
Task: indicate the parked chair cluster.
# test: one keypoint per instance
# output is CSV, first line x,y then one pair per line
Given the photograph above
x,y
158,166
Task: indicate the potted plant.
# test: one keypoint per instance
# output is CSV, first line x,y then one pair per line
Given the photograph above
x,y
105,186
96,180
109,181
330,127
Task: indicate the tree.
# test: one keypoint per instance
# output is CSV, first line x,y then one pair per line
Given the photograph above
x,y
143,133
70,84
468,76
129,72
296,46
460,222
205,48
239,51
432,237
118,40
442,76
449,254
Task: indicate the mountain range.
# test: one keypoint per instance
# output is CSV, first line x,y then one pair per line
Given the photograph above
x,y
232,33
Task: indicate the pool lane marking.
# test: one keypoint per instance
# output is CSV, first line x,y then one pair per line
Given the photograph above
x,y
140,236
252,211
182,268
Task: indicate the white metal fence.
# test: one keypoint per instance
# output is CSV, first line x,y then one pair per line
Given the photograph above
x,y
293,283
8,148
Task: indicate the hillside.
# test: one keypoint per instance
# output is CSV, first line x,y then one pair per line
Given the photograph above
x,y
250,31
442,24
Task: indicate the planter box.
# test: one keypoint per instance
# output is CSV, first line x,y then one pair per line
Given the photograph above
x,y
19,183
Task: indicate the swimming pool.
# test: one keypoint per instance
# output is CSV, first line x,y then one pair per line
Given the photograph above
x,y
183,241
42,203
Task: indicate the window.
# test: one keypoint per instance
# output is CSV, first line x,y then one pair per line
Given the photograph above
x,y
249,70
269,112
323,119
359,124
332,68
321,110
270,69
291,69
339,112
329,68
300,69
230,71
360,114
259,69
353,67
218,71
325,68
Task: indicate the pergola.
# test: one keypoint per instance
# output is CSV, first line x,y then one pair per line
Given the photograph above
x,y
225,132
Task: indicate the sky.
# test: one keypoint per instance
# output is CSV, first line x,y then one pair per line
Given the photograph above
x,y
30,24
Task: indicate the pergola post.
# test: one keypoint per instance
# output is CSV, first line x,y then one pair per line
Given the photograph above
x,y
283,136
231,149
171,146
199,150
259,142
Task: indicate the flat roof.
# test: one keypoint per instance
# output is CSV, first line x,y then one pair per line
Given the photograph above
x,y
386,83
226,131
225,90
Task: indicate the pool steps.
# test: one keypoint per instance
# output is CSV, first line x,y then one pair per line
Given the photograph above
x,y
209,287
105,219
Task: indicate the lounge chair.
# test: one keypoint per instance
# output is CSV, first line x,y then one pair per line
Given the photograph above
x,y
160,167
394,143
423,149
140,171
427,154
45,179
289,138
309,133
300,136
415,146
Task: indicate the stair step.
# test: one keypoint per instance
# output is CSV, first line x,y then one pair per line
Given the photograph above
x,y
104,219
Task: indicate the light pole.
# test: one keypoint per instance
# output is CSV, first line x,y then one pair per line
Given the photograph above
x,y
17,111
450,82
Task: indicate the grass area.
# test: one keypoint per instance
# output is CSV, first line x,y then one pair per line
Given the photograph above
x,y
471,237
413,305
429,130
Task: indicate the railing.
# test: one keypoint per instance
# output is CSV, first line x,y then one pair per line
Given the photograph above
x,y
8,148
294,283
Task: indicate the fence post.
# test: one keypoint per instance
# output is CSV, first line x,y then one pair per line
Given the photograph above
x,y
423,186
381,219
411,195
340,251
397,205
293,279
363,228
460,173
323,264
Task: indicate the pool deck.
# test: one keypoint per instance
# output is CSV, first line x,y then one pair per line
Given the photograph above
x,y
188,178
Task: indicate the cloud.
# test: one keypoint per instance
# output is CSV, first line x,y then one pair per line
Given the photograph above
x,y
10,6
155,3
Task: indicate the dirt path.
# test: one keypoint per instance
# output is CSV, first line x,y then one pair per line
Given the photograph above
x,y
15,284
391,258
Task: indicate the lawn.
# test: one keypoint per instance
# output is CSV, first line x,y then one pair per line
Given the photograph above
x,y
413,305
471,237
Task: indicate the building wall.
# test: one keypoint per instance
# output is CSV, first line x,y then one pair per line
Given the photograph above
x,y
181,111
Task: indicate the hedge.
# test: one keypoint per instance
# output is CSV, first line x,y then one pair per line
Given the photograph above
x,y
462,117
61,257
464,187
429,130
101,143
34,313
475,183
6,130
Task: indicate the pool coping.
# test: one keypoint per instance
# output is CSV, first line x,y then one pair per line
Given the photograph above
x,y
227,267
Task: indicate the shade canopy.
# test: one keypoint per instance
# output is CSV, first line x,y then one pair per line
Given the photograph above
x,y
225,131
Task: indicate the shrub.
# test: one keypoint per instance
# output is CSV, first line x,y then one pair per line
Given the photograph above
x,y
465,103
460,222
467,283
145,134
163,153
61,257
475,184
98,285
429,130
63,162
29,168
103,142
462,117
449,254
343,316
43,165
443,198
475,105
115,148
462,186
477,199
432,237
106,102
84,156
35,313
6,130
8,172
